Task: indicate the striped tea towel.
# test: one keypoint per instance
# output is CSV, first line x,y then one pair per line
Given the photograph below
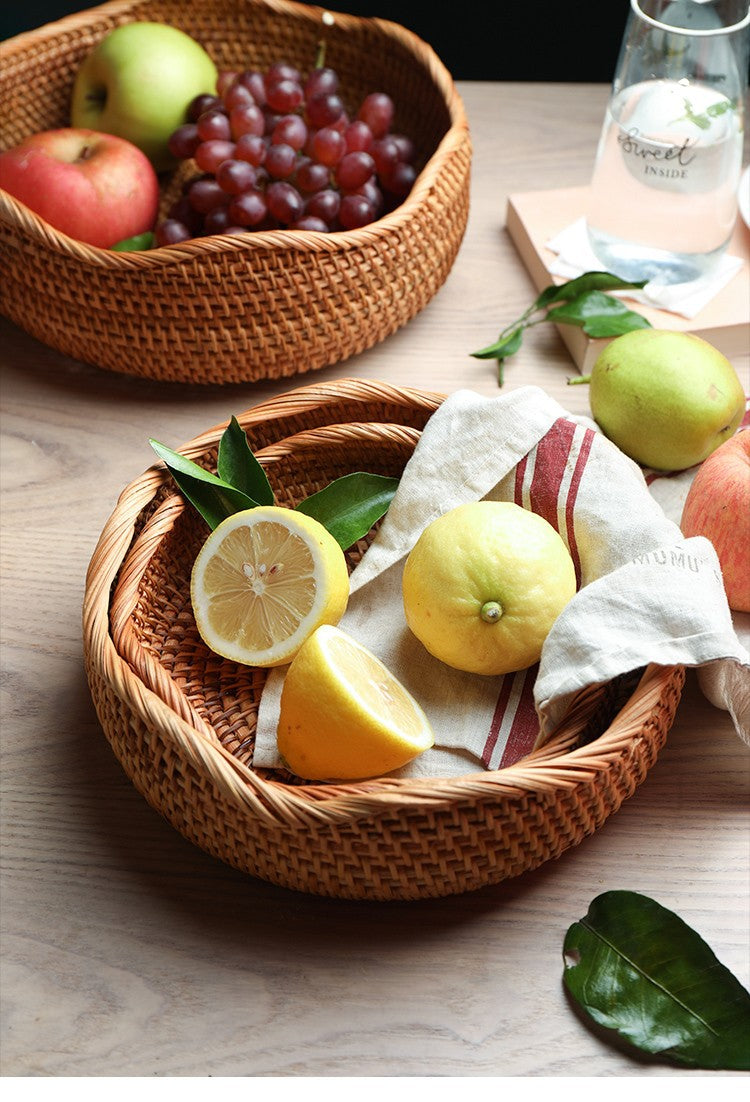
x,y
646,594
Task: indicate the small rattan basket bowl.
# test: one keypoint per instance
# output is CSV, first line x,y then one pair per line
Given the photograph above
x,y
181,720
264,305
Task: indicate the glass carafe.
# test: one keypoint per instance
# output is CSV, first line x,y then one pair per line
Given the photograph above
x,y
663,197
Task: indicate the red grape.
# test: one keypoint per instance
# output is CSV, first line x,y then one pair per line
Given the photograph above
x,y
405,147
309,222
324,204
353,169
205,194
284,95
213,125
251,148
377,111
283,70
355,211
284,202
254,82
247,120
184,141
248,209
217,220
172,232
400,179
209,155
237,95
327,146
200,104
224,81
291,130
281,161
321,81
385,154
312,176
325,109
235,176
358,137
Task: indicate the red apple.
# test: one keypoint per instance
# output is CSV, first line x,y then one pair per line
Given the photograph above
x,y
718,507
95,187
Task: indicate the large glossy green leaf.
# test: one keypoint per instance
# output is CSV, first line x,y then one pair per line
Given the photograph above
x,y
589,281
237,465
349,506
635,967
599,315
214,498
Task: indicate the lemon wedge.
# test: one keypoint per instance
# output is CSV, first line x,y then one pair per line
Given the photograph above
x,y
263,581
343,714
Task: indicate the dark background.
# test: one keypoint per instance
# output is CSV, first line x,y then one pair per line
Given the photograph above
x,y
514,40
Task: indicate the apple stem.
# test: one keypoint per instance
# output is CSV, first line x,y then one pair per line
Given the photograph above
x,y
579,380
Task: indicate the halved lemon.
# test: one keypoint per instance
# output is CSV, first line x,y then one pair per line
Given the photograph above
x,y
263,581
343,714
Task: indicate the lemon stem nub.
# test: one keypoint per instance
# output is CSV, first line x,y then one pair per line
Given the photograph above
x,y
491,612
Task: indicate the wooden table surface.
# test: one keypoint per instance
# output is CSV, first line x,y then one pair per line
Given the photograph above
x,y
128,952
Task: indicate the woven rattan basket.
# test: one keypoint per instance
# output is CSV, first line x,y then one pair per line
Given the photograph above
x,y
264,305
181,720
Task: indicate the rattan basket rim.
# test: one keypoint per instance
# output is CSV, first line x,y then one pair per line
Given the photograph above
x,y
553,768
19,216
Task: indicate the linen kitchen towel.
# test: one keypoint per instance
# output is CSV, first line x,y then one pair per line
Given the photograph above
x,y
645,594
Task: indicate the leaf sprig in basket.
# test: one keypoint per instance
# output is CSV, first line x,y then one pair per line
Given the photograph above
x,y
347,507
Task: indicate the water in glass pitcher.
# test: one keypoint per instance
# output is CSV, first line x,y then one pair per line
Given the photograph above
x,y
663,197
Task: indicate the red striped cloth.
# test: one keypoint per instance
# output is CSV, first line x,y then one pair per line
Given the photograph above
x,y
546,481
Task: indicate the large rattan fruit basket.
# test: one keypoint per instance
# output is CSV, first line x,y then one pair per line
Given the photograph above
x,y
182,721
230,309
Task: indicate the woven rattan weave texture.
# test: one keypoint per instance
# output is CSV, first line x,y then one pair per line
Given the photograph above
x,y
182,721
263,305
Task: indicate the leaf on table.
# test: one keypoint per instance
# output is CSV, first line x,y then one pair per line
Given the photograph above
x,y
636,968
214,498
237,466
349,506
502,348
599,315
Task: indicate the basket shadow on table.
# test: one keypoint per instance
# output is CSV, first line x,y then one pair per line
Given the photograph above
x,y
156,861
153,860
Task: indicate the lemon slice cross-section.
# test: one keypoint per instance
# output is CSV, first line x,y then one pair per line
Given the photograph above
x,y
263,581
344,715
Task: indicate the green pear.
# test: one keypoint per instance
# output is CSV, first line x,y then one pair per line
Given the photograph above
x,y
667,399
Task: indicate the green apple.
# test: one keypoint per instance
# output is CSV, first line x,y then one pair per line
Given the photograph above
x,y
667,399
137,83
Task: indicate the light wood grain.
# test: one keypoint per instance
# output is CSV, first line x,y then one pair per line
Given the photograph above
x,y
128,952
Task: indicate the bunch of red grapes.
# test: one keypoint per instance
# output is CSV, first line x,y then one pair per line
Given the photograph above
x,y
276,150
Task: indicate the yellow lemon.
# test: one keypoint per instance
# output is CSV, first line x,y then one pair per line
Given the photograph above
x,y
343,715
263,581
484,584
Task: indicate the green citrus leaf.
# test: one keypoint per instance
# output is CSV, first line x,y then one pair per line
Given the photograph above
x,y
599,315
589,281
214,498
139,243
349,506
636,968
238,466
